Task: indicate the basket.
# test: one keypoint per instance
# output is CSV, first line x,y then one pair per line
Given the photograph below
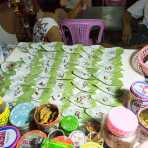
x,y
143,53
4,116
47,126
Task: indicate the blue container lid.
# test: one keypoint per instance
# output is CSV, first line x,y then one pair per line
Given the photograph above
x,y
140,90
20,115
9,136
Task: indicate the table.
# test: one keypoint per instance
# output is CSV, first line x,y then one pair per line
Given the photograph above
x,y
73,93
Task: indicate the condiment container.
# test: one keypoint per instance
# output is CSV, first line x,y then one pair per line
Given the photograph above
x,y
69,124
143,125
9,136
139,96
120,128
21,116
78,138
4,112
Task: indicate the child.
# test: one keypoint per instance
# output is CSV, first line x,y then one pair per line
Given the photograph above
x,y
51,12
46,28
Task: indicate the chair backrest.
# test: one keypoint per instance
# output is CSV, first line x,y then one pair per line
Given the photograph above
x,y
80,30
114,2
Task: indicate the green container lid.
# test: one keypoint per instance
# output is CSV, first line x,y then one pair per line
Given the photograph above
x,y
69,123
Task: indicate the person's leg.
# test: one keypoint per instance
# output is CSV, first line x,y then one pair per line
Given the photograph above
x,y
141,36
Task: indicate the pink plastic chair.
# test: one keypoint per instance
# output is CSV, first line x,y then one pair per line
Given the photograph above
x,y
114,2
80,30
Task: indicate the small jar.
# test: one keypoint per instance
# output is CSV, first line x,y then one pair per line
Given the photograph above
x,y
139,96
120,128
143,125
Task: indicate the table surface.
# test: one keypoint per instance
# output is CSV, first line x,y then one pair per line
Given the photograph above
x,y
129,75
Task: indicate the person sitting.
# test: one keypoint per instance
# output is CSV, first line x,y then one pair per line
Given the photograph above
x,y
51,12
136,15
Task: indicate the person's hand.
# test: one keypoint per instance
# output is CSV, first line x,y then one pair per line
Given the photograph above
x,y
126,34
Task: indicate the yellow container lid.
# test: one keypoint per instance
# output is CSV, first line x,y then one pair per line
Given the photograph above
x,y
91,145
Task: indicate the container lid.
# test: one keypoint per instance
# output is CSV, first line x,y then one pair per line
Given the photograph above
x,y
9,135
140,90
27,139
91,145
122,121
20,115
69,123
63,139
78,138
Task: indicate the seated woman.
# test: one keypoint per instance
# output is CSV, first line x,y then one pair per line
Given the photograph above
x,y
51,12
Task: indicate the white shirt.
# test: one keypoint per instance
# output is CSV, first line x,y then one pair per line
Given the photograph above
x,y
140,9
41,28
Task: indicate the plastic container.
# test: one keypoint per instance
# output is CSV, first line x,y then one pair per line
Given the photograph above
x,y
143,125
78,138
120,128
4,113
46,127
31,139
47,143
21,116
91,145
69,124
9,136
139,96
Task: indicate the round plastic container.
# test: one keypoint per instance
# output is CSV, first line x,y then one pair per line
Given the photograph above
x,y
4,113
143,125
78,138
9,136
139,96
21,116
91,145
69,124
120,128
31,139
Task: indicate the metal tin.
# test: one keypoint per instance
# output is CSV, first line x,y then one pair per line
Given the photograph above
x,y
78,138
21,116
139,96
9,136
28,138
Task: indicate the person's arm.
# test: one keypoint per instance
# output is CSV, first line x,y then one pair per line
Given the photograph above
x,y
53,35
127,29
80,6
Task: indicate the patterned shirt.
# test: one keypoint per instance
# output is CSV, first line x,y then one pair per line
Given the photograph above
x,y
41,28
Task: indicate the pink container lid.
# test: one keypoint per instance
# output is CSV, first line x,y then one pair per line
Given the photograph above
x,y
122,122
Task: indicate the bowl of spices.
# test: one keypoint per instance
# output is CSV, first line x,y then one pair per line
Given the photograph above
x,y
46,116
